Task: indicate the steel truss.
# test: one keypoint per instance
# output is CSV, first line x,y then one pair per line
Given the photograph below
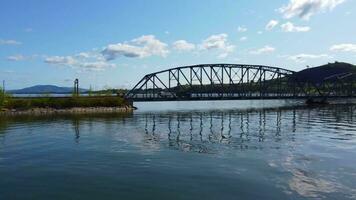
x,y
233,81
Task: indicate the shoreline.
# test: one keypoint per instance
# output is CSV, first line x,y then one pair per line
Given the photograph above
x,y
74,110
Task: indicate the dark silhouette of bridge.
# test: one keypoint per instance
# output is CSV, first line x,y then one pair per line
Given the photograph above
x,y
235,81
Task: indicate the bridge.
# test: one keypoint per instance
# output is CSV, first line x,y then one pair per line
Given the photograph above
x,y
237,81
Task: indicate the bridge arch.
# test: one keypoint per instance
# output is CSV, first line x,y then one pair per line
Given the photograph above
x,y
214,81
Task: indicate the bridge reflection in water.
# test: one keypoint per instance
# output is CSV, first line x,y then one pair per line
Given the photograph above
x,y
193,131
205,131
220,130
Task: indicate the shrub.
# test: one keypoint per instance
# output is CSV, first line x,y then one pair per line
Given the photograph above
x,y
4,98
18,104
62,103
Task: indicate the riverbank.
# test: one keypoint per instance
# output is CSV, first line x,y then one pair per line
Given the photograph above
x,y
76,110
65,105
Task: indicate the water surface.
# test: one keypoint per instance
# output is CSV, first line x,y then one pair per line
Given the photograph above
x,y
227,150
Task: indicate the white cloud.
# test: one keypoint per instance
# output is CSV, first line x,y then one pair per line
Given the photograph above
x,y
260,32
9,42
28,30
83,55
265,49
344,48
144,46
93,55
271,24
96,66
303,57
18,57
307,8
241,29
114,50
86,61
218,42
243,39
183,45
290,27
61,60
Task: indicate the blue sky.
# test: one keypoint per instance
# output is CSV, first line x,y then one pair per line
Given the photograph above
x,y
113,43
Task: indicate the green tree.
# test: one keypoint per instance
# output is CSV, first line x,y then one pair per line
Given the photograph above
x,y
2,98
107,90
90,92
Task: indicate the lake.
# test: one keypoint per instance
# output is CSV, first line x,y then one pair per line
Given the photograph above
x,y
183,150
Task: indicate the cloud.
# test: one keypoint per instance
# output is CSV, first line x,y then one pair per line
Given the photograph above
x,y
97,66
144,46
61,60
303,57
307,8
218,42
115,50
83,55
18,57
243,39
265,49
183,45
290,27
86,61
9,42
344,48
241,29
271,24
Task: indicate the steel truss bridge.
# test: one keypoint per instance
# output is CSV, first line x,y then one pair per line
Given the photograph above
x,y
235,81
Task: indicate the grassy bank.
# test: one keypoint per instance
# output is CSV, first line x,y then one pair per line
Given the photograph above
x,y
61,102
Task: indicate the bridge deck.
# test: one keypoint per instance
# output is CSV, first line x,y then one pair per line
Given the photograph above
x,y
240,98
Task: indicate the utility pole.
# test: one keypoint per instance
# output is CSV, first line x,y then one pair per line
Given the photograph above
x,y
76,87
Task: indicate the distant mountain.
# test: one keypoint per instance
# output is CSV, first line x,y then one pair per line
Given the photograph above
x,y
45,89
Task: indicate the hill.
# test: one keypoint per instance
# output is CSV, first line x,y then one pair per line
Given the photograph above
x,y
318,74
45,89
